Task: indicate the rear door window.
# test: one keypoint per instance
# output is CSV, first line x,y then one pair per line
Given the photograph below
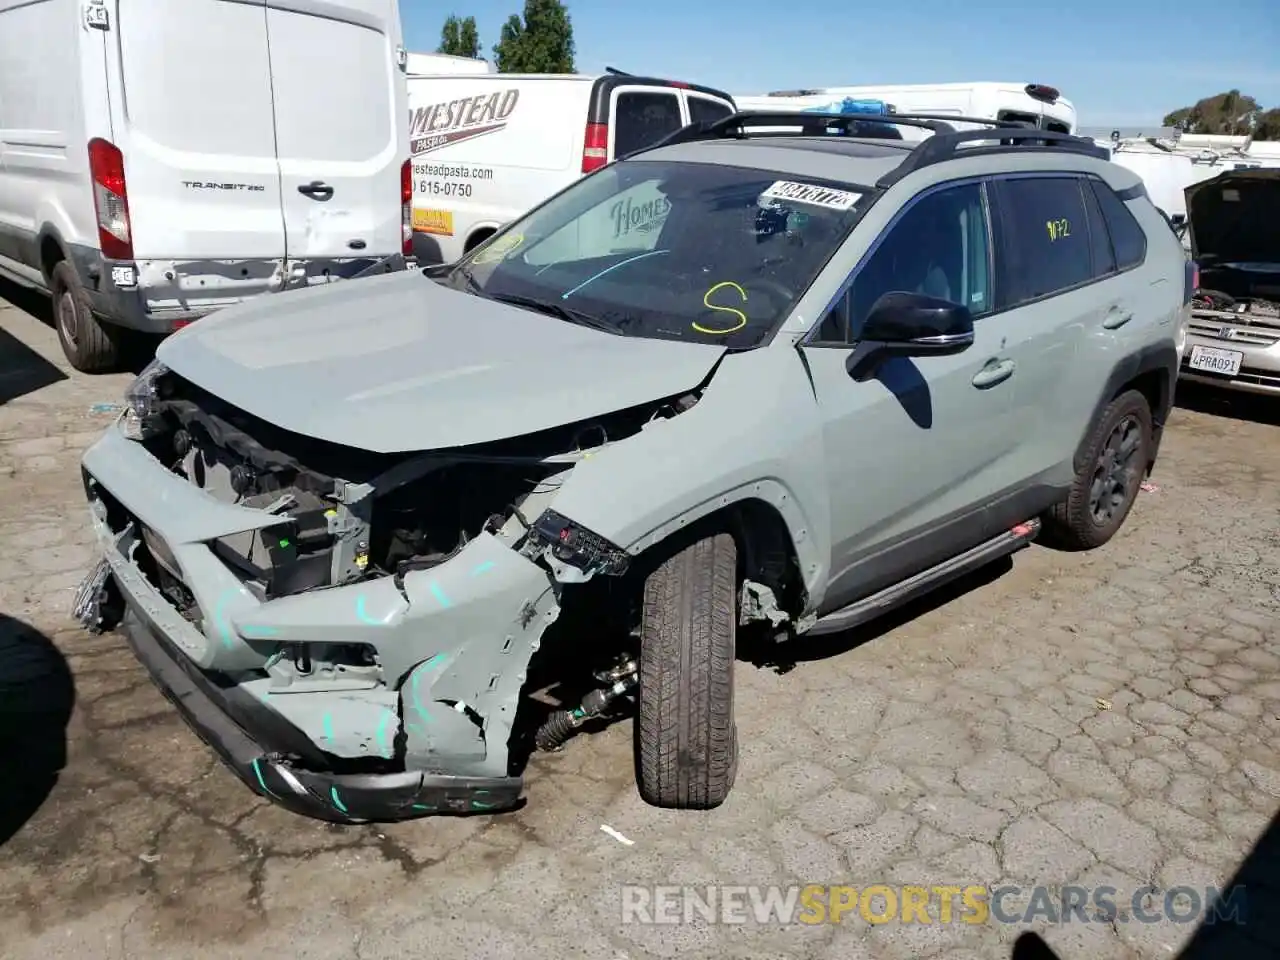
x,y
642,118
1126,236
704,109
1044,237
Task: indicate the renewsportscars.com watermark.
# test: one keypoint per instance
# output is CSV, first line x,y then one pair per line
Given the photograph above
x,y
973,904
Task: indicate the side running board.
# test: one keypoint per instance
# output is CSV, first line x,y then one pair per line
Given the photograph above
x,y
878,604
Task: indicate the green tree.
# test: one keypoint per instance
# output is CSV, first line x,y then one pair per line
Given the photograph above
x,y
460,38
1268,125
1223,113
540,42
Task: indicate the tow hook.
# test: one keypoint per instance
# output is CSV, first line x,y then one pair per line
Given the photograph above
x,y
562,724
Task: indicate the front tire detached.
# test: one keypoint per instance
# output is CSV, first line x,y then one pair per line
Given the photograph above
x,y
1113,464
686,740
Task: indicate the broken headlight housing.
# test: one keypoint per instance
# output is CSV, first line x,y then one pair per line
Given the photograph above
x,y
577,546
139,420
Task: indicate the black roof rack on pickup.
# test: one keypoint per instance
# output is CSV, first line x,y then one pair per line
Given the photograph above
x,y
1012,135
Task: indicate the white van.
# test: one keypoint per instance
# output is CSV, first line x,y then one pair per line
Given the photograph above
x,y
487,148
162,159
1033,103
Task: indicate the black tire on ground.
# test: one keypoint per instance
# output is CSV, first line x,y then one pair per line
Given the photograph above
x,y
90,345
686,740
1113,465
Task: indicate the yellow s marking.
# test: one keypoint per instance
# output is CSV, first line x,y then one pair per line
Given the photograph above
x,y
706,302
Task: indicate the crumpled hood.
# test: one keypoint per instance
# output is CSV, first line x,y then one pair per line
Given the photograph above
x,y
1233,217
399,363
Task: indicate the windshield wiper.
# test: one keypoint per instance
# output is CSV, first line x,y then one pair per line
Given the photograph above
x,y
473,285
556,310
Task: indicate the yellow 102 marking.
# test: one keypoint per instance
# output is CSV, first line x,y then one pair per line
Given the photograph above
x,y
1058,229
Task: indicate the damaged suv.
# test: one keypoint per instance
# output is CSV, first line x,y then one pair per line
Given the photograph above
x,y
791,378
1233,226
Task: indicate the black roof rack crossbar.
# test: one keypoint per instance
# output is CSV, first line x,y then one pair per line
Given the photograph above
x,y
736,125
938,148
950,118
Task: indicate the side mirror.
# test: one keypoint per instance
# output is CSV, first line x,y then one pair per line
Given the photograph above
x,y
910,325
1178,219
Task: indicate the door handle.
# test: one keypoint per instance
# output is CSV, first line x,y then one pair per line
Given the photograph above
x,y
316,190
1116,318
997,371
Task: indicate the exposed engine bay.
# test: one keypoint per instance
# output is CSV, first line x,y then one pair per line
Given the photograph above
x,y
353,514
1225,306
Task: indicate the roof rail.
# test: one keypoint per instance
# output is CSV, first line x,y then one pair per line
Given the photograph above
x,y
935,149
942,147
950,118
736,125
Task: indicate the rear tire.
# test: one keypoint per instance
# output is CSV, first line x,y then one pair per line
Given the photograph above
x,y
90,346
686,741
1113,464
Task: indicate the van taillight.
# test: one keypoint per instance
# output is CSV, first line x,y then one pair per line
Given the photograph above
x,y
406,208
595,147
1192,278
110,200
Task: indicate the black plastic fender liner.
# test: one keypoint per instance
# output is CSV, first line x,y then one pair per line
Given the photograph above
x,y
334,797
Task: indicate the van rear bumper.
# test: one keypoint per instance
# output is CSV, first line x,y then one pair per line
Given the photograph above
x,y
158,296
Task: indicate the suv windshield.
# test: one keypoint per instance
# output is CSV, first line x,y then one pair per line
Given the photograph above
x,y
677,251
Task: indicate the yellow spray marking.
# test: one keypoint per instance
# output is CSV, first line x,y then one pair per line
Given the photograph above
x,y
706,302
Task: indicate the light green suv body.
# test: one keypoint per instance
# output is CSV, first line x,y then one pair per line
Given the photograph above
x,y
794,379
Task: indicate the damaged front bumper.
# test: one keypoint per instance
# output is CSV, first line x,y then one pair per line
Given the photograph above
x,y
419,722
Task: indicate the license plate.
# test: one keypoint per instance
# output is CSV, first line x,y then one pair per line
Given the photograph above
x,y
1213,360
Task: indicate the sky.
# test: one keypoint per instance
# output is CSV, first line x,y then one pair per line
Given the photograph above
x,y
1121,62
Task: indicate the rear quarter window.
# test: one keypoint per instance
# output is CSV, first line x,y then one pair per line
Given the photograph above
x,y
1044,237
1127,237
642,118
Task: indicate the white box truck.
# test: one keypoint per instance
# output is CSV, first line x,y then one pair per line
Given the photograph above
x,y
162,159
488,147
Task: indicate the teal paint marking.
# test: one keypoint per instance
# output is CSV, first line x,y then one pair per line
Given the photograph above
x,y
422,806
337,801
413,696
483,568
622,263
257,771
260,631
383,747
477,805
220,617
413,687
327,723
363,615
439,594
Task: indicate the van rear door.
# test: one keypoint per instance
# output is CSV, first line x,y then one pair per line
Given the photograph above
x,y
640,111
641,115
190,87
341,121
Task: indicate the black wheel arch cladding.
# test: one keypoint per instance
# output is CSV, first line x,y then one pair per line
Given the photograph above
x,y
1152,365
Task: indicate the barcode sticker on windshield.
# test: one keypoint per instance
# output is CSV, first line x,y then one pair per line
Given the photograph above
x,y
811,194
